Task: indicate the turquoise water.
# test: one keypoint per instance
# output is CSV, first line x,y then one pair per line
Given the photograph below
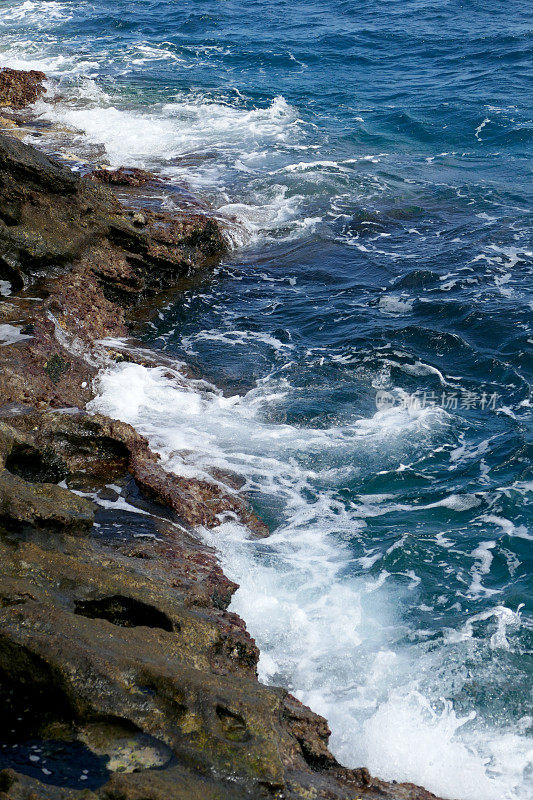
x,y
367,343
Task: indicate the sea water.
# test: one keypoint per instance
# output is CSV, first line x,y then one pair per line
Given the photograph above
x,y
365,347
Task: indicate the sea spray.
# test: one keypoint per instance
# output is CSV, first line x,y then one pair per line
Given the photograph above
x,y
373,163
328,630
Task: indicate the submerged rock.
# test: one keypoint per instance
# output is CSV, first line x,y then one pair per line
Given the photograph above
x,y
123,176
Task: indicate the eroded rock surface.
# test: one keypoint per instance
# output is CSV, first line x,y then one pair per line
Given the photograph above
x,y
50,217
123,676
123,176
19,88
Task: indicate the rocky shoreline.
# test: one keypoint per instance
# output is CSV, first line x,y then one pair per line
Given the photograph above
x,y
123,676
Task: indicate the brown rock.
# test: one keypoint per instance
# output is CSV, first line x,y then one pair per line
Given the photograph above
x,y
124,176
95,445
37,504
19,88
7,778
42,505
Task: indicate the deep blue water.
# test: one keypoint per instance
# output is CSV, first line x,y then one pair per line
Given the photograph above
x,y
372,162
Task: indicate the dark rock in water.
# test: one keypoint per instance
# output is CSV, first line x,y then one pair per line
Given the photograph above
x,y
19,88
416,279
371,222
123,176
366,223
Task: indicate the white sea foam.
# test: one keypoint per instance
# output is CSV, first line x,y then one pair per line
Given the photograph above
x,y
457,502
504,617
191,125
508,527
484,557
200,142
39,13
480,128
392,304
331,635
207,143
369,506
468,452
9,334
235,338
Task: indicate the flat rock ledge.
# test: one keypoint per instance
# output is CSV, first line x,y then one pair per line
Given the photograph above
x,y
123,676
